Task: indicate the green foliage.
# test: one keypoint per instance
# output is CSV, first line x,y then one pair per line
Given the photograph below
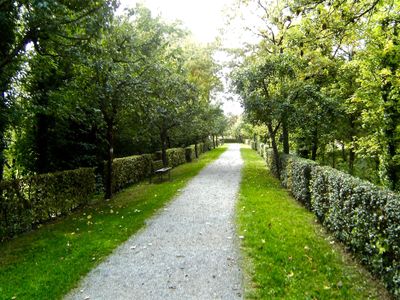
x,y
190,153
27,202
176,156
286,254
129,170
363,216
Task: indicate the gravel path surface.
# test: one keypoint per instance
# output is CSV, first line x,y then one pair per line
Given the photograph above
x,y
188,251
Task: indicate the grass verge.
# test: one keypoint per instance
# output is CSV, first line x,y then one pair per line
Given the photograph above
x,y
48,263
287,255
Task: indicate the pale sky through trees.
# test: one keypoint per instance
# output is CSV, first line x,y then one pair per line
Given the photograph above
x,y
205,19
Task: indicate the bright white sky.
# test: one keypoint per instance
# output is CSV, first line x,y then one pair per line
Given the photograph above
x,y
204,18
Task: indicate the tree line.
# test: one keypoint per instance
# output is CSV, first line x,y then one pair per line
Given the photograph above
x,y
80,84
324,79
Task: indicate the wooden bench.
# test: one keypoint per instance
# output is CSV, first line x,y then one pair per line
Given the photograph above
x,y
157,169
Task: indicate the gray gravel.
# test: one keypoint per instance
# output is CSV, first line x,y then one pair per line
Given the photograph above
x,y
188,251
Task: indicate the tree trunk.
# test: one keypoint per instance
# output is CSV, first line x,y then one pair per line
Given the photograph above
x,y
343,152
196,150
352,154
110,156
276,164
42,143
163,140
213,140
3,126
168,142
333,156
314,145
352,157
285,136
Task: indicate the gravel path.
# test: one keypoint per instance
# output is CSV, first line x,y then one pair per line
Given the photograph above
x,y
188,251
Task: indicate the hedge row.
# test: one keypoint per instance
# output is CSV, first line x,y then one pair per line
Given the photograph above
x,y
129,170
176,156
366,218
26,202
231,140
190,153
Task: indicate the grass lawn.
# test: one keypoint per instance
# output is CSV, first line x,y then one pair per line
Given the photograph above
x,y
48,262
287,255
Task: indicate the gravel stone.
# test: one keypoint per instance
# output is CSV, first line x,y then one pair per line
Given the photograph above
x,y
188,251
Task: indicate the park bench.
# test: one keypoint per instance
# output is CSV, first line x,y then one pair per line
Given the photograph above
x,y
160,171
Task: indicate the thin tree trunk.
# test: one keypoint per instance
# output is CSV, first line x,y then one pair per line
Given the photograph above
x,y
3,125
314,145
42,143
352,157
196,150
110,156
285,135
333,156
276,163
344,152
352,154
163,139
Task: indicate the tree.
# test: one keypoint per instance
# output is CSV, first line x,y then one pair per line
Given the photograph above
x,y
113,73
40,23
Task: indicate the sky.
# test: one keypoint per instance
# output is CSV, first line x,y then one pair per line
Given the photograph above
x,y
204,18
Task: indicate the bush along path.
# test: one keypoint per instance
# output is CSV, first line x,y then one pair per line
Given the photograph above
x,y
286,252
186,252
48,262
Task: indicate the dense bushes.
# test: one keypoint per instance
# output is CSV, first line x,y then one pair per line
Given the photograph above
x,y
131,169
36,199
176,156
190,153
366,218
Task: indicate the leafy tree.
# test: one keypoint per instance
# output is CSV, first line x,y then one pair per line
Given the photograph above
x,y
38,23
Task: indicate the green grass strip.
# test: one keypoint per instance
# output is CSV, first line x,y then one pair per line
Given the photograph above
x,y
49,262
287,255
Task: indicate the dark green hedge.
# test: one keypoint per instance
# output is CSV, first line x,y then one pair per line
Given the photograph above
x,y
200,149
129,170
190,153
156,165
231,140
366,218
176,156
27,202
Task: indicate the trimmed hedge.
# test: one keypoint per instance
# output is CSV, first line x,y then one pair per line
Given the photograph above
x,y
366,218
231,140
129,170
26,202
190,153
176,156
